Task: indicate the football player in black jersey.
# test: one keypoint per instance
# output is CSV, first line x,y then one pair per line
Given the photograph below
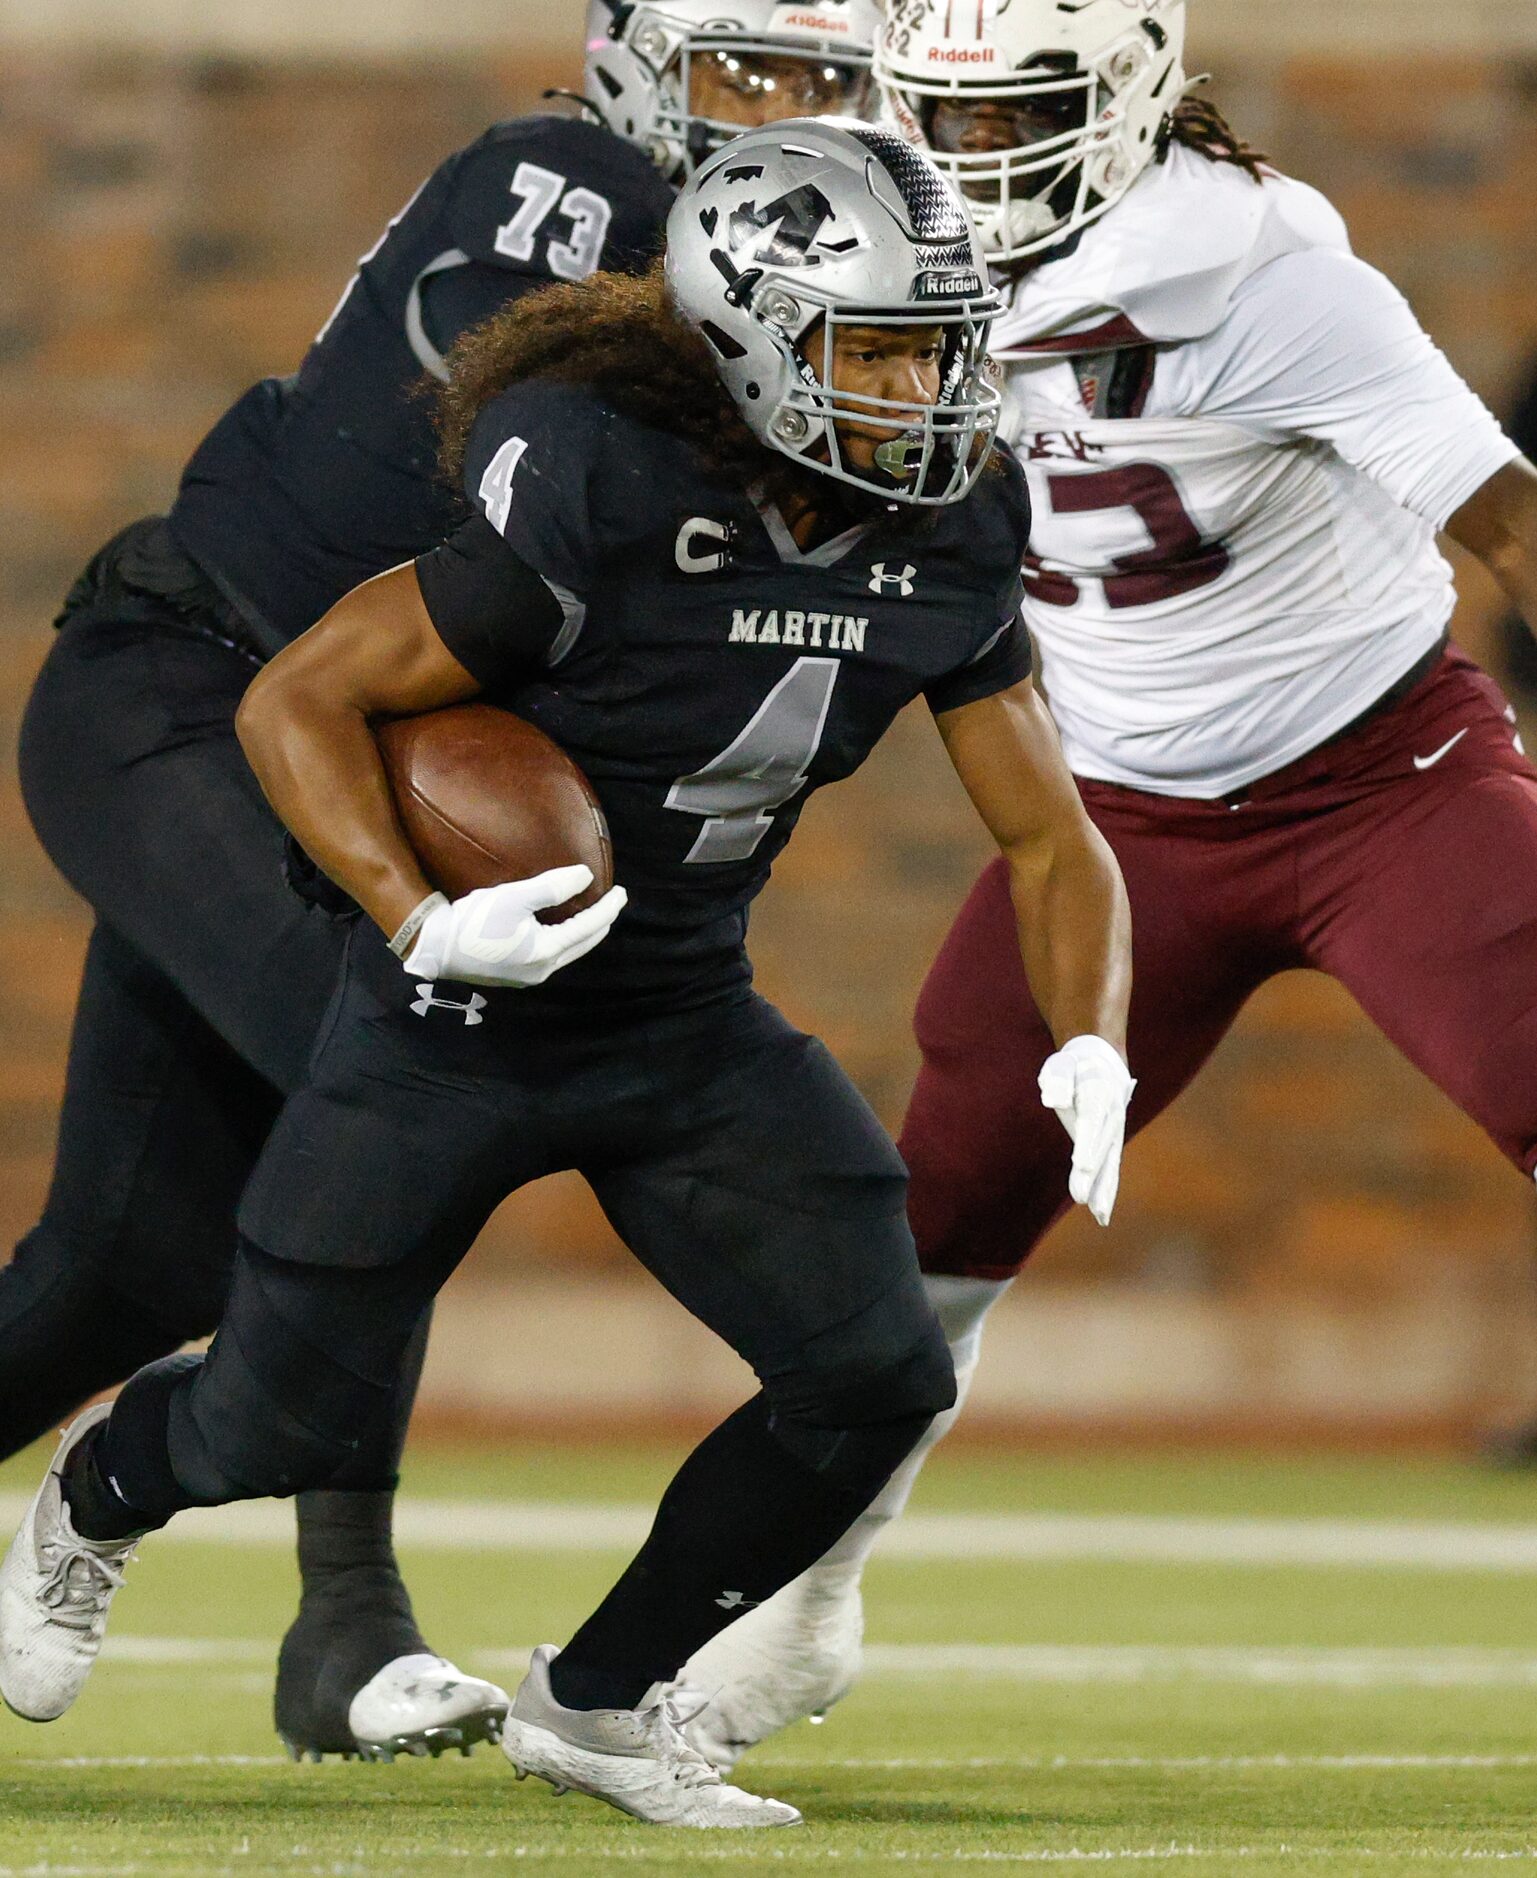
x,y
206,978
728,525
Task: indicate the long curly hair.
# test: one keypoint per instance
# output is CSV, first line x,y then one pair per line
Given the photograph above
x,y
621,335
1200,126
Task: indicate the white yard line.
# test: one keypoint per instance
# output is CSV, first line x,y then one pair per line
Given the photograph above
x,y
813,1855
771,1764
578,1526
1277,1667
1348,1668
149,1760
755,1852
1299,1667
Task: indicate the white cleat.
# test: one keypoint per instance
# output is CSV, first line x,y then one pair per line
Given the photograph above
x,y
635,1759
55,1590
791,1658
424,1705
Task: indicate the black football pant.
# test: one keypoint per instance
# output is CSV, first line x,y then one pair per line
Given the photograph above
x,y
731,1154
204,987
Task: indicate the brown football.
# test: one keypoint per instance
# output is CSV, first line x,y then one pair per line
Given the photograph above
x,y
485,797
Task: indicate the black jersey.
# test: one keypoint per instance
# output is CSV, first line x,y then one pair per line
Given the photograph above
x,y
704,671
313,483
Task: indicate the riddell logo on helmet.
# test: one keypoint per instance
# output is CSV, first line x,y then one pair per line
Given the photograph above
x,y
962,55
812,22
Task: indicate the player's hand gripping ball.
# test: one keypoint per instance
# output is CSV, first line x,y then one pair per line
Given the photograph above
x,y
1089,1087
507,828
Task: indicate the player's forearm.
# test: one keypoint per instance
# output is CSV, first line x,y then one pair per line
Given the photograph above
x,y
1074,933
1069,898
319,767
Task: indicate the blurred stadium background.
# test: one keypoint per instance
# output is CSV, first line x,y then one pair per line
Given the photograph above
x,y
1312,1244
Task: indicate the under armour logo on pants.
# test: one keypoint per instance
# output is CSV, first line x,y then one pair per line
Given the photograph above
x,y
471,1012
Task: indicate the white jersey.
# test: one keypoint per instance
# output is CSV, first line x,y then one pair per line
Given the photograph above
x,y
1221,582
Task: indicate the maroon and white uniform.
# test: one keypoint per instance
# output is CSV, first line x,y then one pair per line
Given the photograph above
x,y
1241,447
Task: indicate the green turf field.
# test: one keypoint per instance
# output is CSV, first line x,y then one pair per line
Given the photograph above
x,y
1128,1683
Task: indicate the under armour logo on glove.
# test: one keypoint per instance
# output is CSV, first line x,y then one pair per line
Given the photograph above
x,y
470,1012
881,578
736,1601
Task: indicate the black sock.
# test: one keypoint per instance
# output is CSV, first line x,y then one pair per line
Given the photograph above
x,y
742,1518
96,1509
347,1555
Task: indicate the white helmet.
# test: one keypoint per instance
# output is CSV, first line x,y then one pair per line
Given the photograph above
x,y
641,55
1093,86
828,222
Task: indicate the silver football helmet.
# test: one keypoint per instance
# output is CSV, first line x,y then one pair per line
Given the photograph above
x,y
647,60
806,227
1082,95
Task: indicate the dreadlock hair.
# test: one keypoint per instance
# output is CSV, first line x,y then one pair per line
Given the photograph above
x,y
620,334
1200,126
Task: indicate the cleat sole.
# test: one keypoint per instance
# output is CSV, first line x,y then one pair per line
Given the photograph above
x,y
431,1743
465,1735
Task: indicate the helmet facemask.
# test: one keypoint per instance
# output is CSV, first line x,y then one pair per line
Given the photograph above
x,y
931,453
1028,196
680,58
826,87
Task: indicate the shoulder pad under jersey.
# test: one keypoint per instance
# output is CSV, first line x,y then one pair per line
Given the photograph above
x,y
566,480
558,197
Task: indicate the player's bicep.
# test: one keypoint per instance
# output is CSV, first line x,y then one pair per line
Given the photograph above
x,y
1321,345
1007,754
377,652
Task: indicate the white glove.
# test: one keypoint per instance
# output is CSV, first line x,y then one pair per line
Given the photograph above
x,y
491,937
1089,1086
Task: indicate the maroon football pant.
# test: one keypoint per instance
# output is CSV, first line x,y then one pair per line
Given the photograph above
x,y
1412,881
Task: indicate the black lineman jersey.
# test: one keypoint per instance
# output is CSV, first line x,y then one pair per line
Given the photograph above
x,y
313,483
704,672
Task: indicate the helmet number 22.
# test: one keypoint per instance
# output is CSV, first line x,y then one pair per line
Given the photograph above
x,y
543,194
762,768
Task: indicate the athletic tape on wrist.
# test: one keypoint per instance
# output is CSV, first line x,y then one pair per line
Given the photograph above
x,y
414,921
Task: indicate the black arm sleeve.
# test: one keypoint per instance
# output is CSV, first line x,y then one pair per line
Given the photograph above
x,y
494,613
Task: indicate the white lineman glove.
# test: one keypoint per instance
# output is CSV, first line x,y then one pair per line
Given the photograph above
x,y
491,937
1089,1086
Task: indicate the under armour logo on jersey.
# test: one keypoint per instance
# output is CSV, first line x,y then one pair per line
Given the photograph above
x,y
470,1012
736,1601
881,577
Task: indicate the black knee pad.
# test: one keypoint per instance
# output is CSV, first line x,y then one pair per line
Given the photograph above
x,y
270,1412
196,1431
853,1424
278,1409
